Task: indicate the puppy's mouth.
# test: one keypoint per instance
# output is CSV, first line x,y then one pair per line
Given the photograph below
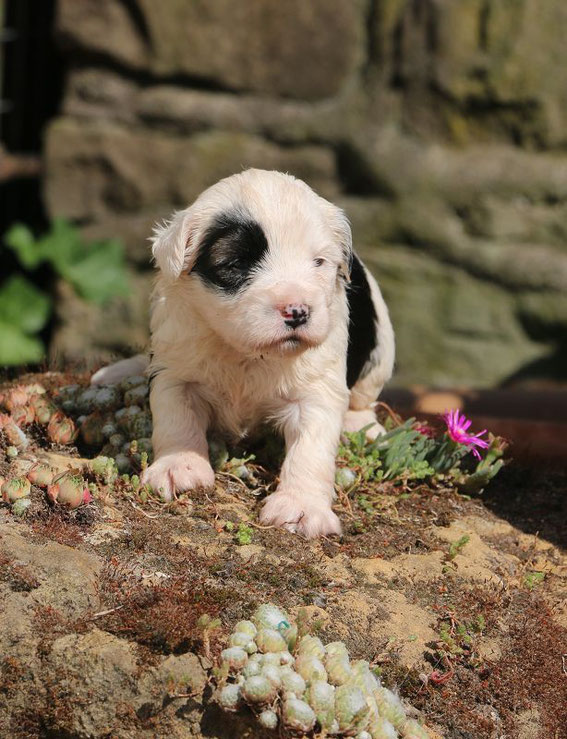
x,y
289,344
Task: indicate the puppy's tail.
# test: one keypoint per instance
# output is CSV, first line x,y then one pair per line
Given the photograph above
x,y
113,373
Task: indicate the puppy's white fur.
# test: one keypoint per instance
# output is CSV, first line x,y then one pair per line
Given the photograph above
x,y
226,362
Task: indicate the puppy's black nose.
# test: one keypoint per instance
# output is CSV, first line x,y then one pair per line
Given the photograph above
x,y
295,315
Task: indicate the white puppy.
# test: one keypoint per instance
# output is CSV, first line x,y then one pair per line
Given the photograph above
x,y
262,313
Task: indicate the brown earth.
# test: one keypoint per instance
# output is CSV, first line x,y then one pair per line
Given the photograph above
x,y
100,605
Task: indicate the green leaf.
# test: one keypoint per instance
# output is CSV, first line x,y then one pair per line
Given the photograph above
x,y
61,245
21,240
23,306
17,348
533,579
99,273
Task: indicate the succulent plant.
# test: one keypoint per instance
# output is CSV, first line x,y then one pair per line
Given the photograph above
x,y
107,398
15,488
345,477
338,669
286,659
239,639
218,453
269,616
61,429
351,708
362,677
268,719
251,668
311,645
69,490
290,634
91,429
140,426
321,697
23,415
123,464
270,640
258,690
21,506
292,691
34,388
85,401
246,627
230,697
136,395
133,381
380,728
390,707
43,409
292,681
104,467
15,397
298,715
310,668
235,657
13,433
412,729
273,674
41,474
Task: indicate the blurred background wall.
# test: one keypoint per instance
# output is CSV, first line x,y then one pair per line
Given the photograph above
x,y
440,126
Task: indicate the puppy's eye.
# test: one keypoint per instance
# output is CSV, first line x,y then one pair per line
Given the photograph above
x,y
319,262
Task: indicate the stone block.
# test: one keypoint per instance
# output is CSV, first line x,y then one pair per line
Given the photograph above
x,y
294,48
94,169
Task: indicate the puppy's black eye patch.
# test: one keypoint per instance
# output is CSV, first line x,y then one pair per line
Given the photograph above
x,y
232,246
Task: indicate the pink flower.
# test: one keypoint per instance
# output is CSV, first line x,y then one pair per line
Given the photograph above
x,y
457,428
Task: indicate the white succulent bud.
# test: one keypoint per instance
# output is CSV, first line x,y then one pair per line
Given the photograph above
x,y
259,690
235,657
298,715
230,697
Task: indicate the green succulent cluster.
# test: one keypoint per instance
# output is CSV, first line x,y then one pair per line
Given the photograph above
x,y
410,453
296,684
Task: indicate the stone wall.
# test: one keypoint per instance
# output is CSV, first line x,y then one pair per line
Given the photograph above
x,y
440,126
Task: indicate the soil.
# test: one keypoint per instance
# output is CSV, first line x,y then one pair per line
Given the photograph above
x,y
100,605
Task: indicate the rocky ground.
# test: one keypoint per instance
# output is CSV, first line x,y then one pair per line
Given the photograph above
x,y
461,603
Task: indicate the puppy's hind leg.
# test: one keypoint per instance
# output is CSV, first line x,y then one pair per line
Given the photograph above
x,y
113,373
378,367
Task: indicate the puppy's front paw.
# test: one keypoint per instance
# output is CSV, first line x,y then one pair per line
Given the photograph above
x,y
178,472
311,518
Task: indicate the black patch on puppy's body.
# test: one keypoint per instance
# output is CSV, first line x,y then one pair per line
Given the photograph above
x,y
362,337
232,246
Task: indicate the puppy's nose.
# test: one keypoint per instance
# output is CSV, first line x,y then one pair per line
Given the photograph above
x,y
295,314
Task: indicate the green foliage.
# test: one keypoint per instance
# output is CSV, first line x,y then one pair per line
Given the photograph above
x,y
243,534
360,456
95,271
405,453
456,547
24,311
533,579
459,640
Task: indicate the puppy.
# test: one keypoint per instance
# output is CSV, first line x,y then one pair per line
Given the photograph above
x,y
262,313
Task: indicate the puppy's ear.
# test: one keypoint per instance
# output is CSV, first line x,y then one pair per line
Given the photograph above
x,y
340,226
174,244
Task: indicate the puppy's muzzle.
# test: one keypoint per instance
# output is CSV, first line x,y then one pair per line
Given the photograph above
x,y
295,315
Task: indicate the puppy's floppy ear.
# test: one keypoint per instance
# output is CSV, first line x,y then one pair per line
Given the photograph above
x,y
174,243
340,226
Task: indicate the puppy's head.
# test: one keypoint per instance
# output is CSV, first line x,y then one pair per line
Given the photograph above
x,y
261,258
